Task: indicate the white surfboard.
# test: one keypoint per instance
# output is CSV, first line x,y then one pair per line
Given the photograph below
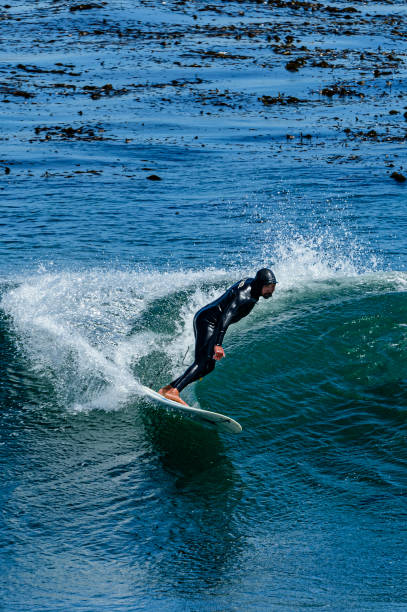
x,y
220,421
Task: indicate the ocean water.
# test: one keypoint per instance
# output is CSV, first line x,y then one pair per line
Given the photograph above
x,y
107,502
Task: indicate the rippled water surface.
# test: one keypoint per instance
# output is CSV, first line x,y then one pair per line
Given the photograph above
x,y
152,154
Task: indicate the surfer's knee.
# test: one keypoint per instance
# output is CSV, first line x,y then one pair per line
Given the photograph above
x,y
209,367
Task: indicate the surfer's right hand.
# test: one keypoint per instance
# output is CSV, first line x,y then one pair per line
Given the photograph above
x,y
219,353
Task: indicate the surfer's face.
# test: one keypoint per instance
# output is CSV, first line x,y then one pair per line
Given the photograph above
x,y
268,291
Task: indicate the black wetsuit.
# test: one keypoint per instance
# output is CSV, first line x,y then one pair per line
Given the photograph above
x,y
211,323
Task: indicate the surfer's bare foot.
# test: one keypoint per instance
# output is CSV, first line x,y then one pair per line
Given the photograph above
x,y
173,394
164,390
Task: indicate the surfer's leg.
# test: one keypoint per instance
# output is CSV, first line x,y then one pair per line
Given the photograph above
x,y
172,390
210,366
203,364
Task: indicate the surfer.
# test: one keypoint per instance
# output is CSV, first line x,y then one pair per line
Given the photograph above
x,y
211,323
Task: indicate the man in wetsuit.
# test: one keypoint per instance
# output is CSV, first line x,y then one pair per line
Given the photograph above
x,y
211,323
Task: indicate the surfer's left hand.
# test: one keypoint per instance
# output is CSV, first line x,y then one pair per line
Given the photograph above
x,y
219,353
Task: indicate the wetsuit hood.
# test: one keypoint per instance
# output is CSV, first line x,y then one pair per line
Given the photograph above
x,y
265,276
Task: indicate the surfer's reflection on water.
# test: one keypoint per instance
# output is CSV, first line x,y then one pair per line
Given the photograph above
x,y
203,535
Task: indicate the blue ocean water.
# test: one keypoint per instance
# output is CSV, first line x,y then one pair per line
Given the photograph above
x,y
153,153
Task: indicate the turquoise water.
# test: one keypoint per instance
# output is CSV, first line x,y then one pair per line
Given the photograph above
x,y
108,503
